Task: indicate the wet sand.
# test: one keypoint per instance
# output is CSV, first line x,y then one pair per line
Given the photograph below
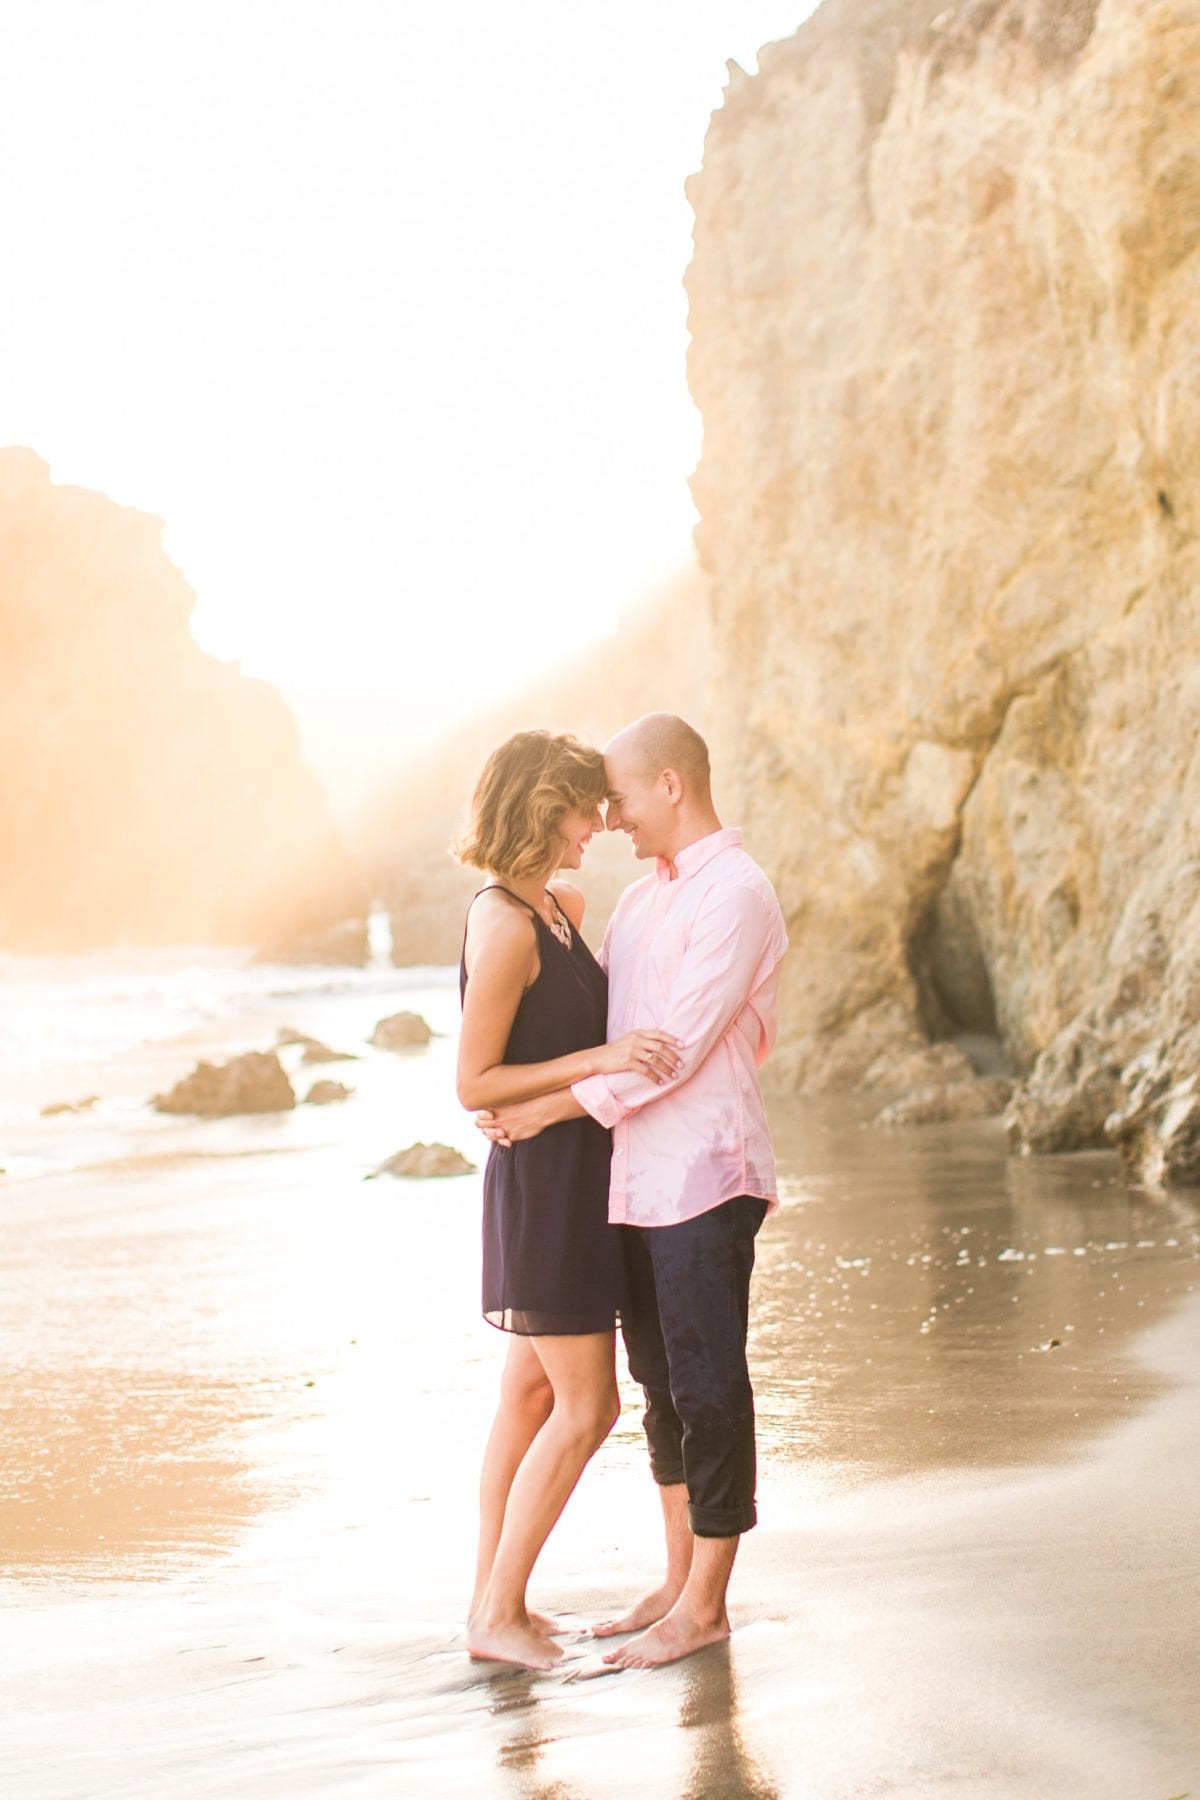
x,y
244,1391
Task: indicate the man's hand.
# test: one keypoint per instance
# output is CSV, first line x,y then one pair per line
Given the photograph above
x,y
508,1125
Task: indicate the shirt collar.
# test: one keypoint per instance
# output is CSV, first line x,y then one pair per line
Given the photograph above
x,y
694,857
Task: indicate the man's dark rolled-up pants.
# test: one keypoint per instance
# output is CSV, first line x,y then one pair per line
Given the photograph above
x,y
686,1342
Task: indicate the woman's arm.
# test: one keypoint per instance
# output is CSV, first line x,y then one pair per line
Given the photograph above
x,y
501,947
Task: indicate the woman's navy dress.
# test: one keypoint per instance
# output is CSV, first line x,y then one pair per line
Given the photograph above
x,y
552,1264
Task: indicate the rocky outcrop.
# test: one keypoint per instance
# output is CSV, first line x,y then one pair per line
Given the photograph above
x,y
253,1083
148,793
943,304
1157,1126
316,1052
420,1161
401,1031
941,1103
326,1093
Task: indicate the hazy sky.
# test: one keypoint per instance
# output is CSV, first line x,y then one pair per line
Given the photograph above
x,y
377,304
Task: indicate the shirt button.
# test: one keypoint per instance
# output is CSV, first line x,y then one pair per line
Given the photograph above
x,y
618,1153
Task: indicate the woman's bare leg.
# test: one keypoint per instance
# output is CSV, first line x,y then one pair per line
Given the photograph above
x,y
526,1398
582,1373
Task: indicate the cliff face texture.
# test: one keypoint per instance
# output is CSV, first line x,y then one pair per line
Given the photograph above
x,y
148,793
944,304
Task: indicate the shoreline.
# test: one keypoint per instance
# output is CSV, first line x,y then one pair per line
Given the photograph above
x,y
247,1392
1014,1633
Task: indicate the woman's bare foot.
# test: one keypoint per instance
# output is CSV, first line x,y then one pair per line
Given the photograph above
x,y
679,1634
549,1627
648,1611
511,1641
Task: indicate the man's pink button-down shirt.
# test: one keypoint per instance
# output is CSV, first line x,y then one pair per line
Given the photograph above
x,y
697,956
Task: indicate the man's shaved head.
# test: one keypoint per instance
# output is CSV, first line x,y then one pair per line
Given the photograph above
x,y
661,741
659,790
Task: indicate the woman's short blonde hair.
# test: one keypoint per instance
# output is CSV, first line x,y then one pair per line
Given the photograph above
x,y
527,788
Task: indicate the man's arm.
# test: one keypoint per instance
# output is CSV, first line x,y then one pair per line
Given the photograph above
x,y
722,965
525,1118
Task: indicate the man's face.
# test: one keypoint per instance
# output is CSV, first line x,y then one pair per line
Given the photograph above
x,y
637,805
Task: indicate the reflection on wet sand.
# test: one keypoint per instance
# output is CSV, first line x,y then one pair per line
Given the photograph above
x,y
924,1301
262,1382
535,1757
709,1711
686,1724
113,1470
920,1301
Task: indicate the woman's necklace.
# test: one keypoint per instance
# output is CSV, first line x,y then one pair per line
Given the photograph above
x,y
558,925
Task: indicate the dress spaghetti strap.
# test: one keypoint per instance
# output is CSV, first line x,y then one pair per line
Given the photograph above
x,y
498,886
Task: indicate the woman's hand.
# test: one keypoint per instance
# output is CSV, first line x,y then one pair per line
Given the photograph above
x,y
653,1053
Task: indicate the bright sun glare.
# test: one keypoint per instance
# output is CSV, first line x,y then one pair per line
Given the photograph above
x,y
379,306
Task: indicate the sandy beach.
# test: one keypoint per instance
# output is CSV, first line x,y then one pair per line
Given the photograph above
x,y
793,403
244,1392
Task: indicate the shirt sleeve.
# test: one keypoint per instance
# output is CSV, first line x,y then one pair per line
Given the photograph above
x,y
728,955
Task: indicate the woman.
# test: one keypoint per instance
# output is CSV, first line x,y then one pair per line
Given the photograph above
x,y
534,1004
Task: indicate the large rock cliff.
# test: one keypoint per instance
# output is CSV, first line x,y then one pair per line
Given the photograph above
x,y
148,793
944,307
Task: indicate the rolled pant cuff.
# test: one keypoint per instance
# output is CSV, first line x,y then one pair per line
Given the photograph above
x,y
721,1522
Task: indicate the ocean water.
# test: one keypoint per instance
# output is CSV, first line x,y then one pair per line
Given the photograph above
x,y
122,1025
244,1388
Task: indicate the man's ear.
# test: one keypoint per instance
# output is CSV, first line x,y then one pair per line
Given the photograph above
x,y
673,785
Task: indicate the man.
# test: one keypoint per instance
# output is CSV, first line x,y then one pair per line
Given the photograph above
x,y
693,949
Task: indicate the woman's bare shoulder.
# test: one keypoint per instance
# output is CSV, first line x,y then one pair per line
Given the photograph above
x,y
496,918
500,936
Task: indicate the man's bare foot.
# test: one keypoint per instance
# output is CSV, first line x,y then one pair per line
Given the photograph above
x,y
677,1635
512,1641
648,1611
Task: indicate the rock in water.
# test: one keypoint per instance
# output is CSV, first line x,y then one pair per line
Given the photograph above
x,y
956,1100
401,1031
1157,1128
323,1093
956,577
69,1106
423,1160
315,1051
253,1083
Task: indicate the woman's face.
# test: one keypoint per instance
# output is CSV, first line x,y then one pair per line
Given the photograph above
x,y
575,829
